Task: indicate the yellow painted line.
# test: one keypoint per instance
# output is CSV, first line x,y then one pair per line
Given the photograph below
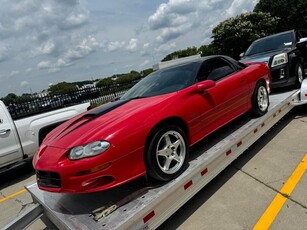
x,y
13,195
272,211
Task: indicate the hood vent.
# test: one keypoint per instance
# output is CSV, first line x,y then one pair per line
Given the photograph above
x,y
94,113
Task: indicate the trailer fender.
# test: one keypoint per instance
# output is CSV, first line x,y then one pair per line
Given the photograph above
x,y
303,95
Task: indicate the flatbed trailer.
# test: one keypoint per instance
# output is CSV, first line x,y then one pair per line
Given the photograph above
x,y
136,206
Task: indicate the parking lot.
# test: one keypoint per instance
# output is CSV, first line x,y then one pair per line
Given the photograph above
x,y
264,187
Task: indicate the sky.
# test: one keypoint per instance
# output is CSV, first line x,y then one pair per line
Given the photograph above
x,y
44,42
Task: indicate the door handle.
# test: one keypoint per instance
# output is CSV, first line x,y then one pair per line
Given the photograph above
x,y
4,131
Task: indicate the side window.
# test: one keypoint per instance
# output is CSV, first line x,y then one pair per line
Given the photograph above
x,y
204,71
214,70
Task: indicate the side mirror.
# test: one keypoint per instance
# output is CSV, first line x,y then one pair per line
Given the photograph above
x,y
302,44
205,85
241,55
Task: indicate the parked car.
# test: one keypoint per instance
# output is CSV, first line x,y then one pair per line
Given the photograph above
x,y
285,53
19,139
52,103
150,128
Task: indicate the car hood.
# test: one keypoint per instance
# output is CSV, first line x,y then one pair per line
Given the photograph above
x,y
262,57
104,122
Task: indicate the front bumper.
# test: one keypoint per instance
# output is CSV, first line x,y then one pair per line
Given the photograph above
x,y
281,76
56,173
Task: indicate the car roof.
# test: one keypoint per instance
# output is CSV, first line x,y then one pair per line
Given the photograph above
x,y
200,60
275,35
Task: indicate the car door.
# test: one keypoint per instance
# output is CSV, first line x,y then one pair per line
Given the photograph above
x,y
228,98
10,149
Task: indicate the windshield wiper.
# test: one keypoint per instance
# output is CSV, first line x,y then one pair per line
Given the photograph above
x,y
131,98
137,97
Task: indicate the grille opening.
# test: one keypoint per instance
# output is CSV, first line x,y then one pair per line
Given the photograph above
x,y
48,179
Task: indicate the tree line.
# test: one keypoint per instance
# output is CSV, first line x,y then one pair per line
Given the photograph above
x,y
62,88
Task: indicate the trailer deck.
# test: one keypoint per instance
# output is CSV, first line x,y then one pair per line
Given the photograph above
x,y
144,207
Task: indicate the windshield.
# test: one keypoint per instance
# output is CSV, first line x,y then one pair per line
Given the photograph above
x,y
271,43
164,81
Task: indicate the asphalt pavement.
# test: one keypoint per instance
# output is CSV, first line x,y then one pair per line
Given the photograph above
x,y
241,195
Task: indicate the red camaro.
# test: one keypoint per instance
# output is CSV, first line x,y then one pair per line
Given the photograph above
x,y
150,128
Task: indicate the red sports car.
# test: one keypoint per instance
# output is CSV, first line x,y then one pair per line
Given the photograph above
x,y
150,128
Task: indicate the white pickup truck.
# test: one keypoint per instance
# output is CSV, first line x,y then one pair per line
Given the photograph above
x,y
19,139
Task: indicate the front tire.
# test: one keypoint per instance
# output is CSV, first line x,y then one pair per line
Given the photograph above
x,y
167,153
260,100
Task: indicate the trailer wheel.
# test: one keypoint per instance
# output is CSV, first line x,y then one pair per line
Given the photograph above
x,y
260,100
167,154
299,75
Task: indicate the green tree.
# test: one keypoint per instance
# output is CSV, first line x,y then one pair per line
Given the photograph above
x,y
234,35
146,72
292,13
127,78
62,87
206,50
104,82
181,53
10,99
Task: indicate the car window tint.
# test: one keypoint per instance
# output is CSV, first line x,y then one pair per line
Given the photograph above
x,y
164,81
214,70
271,43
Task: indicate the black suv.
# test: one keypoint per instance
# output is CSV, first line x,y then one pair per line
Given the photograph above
x,y
285,53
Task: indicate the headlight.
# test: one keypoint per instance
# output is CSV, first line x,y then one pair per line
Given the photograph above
x,y
88,150
280,59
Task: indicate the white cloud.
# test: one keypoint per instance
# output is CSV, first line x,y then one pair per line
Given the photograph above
x,y
176,18
116,45
240,6
14,73
28,70
111,46
4,52
132,46
62,63
24,84
172,13
54,70
44,65
146,62
75,20
82,49
166,47
34,27
47,48
173,32
129,66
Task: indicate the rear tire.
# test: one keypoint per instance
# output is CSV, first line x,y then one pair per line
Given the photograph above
x,y
260,100
167,154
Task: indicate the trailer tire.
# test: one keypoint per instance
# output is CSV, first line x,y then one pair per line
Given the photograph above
x,y
299,75
260,100
167,154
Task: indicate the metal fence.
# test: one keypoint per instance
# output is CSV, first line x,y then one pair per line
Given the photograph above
x,y
36,104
